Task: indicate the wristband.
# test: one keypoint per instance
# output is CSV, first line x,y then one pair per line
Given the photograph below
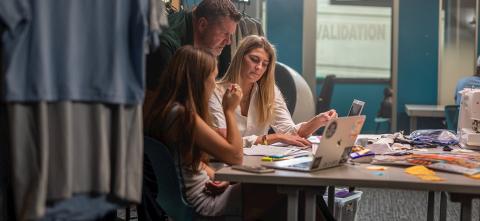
x,y
264,140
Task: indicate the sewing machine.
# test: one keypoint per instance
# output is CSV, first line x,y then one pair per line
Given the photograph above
x,y
469,119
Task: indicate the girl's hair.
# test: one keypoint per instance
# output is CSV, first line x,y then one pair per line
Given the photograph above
x,y
183,85
266,84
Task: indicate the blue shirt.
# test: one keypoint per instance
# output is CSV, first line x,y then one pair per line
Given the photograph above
x,y
468,82
77,50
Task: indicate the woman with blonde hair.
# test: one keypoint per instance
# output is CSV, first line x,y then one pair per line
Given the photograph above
x,y
262,105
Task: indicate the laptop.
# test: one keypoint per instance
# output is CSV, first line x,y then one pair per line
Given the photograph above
x,y
334,148
356,108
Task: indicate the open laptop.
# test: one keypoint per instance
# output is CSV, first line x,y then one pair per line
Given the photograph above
x,y
334,148
356,108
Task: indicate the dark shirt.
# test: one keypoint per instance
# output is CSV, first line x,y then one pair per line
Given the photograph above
x,y
179,33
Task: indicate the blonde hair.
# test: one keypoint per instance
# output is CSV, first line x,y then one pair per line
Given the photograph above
x,y
266,84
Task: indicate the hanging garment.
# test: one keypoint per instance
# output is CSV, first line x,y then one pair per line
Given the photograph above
x,y
79,208
6,198
63,148
245,27
85,50
73,84
158,21
254,27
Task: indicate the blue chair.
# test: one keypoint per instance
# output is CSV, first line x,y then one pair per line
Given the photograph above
x,y
382,120
451,116
170,196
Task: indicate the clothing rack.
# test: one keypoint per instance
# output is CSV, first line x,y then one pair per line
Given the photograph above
x,y
242,4
173,5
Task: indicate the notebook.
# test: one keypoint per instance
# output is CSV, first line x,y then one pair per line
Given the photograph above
x,y
334,148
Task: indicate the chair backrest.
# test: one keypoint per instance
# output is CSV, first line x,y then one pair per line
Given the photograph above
x,y
169,181
451,116
325,97
286,84
297,93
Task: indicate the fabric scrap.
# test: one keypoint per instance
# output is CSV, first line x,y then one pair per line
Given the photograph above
x,y
423,173
379,168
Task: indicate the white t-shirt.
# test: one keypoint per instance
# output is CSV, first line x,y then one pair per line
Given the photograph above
x,y
282,122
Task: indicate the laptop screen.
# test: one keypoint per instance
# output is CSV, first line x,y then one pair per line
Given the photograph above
x,y
356,108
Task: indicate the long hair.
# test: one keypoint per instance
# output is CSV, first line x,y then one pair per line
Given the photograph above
x,y
266,84
183,84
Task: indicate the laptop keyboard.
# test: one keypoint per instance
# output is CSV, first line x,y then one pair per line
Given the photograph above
x,y
301,165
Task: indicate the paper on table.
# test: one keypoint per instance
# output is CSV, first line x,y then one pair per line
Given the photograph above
x,y
314,139
279,144
268,150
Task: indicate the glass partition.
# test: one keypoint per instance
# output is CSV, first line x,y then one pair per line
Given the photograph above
x,y
457,45
353,39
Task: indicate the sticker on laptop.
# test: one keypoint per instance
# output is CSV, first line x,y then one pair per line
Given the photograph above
x,y
356,128
331,129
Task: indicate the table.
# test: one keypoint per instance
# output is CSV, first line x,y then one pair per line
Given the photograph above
x,y
419,110
291,182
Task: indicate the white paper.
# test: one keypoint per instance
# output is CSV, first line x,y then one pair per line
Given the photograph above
x,y
268,150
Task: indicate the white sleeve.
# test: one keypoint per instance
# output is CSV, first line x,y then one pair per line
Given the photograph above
x,y
282,121
216,109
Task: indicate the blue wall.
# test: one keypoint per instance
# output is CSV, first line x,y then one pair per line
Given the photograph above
x,y
417,58
285,30
417,55
372,94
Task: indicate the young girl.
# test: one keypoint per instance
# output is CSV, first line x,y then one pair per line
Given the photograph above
x,y
177,115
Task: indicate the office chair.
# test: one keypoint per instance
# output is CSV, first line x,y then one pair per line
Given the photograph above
x,y
169,181
451,116
297,93
325,97
384,114
379,121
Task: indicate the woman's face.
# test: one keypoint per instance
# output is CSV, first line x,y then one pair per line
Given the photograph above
x,y
254,65
210,82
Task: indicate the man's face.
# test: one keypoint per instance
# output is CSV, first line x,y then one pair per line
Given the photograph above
x,y
215,35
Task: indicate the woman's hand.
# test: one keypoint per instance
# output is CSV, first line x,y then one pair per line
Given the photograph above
x,y
216,187
294,140
325,117
316,122
232,97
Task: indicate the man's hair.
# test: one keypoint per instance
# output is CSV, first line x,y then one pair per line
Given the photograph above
x,y
214,9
